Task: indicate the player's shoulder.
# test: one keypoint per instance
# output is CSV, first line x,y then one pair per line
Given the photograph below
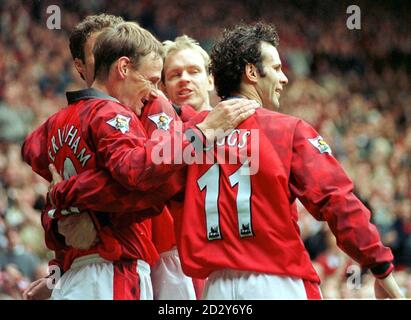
x,y
95,103
106,104
159,102
47,123
103,108
158,106
269,118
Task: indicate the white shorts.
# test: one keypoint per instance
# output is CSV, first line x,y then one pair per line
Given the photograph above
x,y
169,280
243,285
93,278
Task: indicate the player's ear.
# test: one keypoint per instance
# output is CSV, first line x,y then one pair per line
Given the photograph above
x,y
250,73
123,66
210,79
80,67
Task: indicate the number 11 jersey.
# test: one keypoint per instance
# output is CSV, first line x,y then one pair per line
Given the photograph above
x,y
239,209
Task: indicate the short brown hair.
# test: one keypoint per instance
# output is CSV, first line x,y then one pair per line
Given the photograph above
x,y
85,28
126,39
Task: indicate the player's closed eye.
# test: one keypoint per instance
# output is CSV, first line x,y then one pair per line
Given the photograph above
x,y
173,75
194,70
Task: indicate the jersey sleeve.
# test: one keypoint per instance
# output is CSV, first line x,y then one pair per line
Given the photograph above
x,y
34,151
323,187
58,261
159,114
97,191
132,159
54,240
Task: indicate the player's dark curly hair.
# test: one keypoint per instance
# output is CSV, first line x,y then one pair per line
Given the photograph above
x,y
237,47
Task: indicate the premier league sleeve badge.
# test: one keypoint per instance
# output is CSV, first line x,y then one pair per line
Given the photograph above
x,y
120,122
320,144
162,120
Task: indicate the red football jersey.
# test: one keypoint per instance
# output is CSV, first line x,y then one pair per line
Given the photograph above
x,y
239,210
157,117
95,131
84,193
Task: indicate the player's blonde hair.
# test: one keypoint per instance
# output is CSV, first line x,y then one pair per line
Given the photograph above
x,y
185,42
125,39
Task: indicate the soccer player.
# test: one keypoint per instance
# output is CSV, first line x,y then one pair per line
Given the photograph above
x,y
97,130
79,230
247,217
82,41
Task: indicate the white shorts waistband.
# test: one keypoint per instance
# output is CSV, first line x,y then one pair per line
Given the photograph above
x,y
88,259
142,266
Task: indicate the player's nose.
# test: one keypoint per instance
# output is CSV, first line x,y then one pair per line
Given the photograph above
x,y
283,79
185,76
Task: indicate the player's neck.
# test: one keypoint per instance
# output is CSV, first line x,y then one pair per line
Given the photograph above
x,y
102,87
249,94
205,106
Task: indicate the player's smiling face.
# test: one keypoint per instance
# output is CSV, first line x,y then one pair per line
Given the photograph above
x,y
142,80
186,80
270,86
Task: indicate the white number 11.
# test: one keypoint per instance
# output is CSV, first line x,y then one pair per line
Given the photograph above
x,y
211,181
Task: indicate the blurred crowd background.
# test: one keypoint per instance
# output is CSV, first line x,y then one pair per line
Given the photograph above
x,y
353,86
